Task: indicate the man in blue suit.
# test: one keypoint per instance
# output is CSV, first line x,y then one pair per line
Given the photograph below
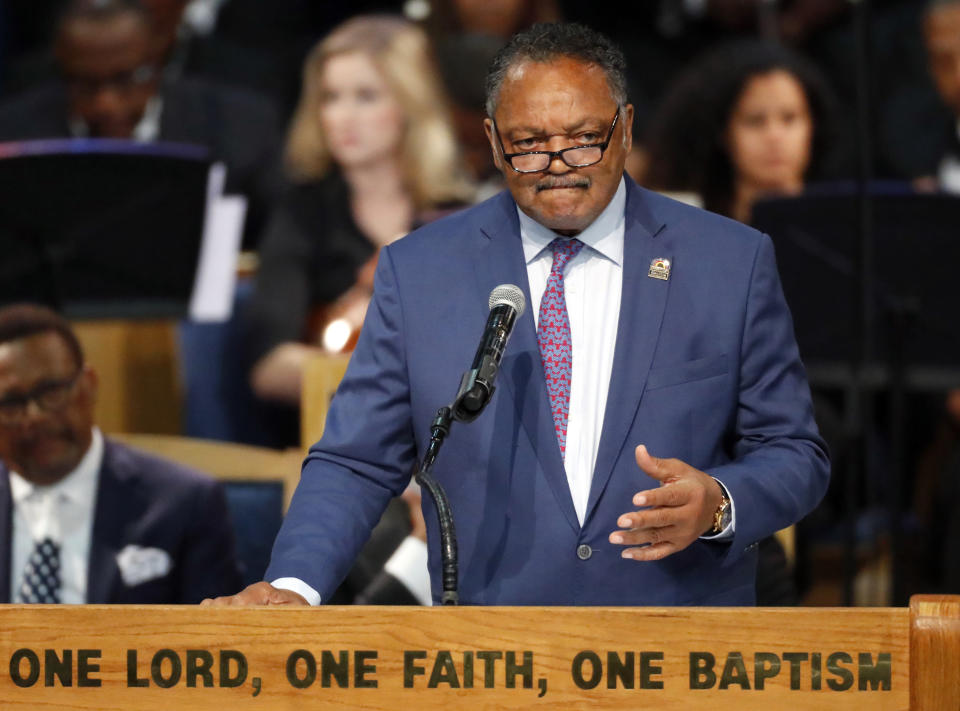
x,y
84,519
653,329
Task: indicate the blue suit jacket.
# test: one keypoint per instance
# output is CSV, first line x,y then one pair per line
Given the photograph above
x,y
706,369
150,502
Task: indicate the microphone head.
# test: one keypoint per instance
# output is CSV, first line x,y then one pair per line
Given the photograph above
x,y
509,294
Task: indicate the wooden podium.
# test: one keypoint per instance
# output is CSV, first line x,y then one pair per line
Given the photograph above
x,y
144,658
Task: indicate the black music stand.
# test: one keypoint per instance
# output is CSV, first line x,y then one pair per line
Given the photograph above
x,y
101,228
912,317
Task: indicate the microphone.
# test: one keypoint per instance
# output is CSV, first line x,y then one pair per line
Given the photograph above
x,y
476,386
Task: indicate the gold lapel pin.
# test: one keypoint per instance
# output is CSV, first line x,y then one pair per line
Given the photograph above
x,y
659,269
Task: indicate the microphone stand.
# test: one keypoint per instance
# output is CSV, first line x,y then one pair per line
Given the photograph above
x,y
439,430
448,535
476,389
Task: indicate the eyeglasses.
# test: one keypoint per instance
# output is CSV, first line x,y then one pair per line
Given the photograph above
x,y
122,81
49,397
575,156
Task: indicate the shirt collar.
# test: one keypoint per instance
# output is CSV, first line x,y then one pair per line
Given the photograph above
x,y
604,235
147,129
79,486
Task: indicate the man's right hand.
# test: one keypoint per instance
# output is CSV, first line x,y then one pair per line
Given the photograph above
x,y
262,593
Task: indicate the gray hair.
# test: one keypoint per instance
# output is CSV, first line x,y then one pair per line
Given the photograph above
x,y
548,41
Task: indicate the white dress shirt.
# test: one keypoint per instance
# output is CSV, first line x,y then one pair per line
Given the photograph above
x,y
147,129
63,512
949,171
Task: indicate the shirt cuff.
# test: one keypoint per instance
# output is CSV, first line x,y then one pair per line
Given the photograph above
x,y
727,533
298,586
408,564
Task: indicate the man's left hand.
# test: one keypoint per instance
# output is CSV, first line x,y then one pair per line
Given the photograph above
x,y
674,515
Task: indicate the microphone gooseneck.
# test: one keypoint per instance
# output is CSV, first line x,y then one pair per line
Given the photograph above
x,y
476,388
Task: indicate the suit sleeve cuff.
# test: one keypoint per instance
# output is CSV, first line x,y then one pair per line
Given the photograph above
x,y
408,564
298,586
727,533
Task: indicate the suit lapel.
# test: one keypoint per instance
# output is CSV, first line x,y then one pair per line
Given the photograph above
x,y
501,261
642,304
6,534
109,522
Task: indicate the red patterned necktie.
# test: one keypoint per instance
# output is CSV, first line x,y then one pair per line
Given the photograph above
x,y
553,337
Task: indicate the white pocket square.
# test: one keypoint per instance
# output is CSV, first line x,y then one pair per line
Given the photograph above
x,y
138,565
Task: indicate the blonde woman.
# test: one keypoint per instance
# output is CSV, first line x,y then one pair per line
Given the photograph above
x,y
372,154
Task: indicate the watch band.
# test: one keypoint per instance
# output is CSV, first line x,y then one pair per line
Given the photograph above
x,y
721,517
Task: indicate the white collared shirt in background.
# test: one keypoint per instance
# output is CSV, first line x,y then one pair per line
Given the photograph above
x,y
63,512
147,129
949,171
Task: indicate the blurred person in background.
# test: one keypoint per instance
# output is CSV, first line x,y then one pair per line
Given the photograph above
x,y
942,38
747,120
112,86
937,476
372,154
463,61
494,18
112,524
467,35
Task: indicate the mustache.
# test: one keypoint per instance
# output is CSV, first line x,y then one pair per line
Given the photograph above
x,y
563,181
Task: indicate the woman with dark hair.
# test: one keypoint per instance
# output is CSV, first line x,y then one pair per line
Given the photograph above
x,y
745,120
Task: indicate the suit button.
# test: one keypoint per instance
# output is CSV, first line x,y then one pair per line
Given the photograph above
x,y
584,551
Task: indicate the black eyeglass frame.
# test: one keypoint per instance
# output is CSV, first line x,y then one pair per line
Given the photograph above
x,y
60,389
558,154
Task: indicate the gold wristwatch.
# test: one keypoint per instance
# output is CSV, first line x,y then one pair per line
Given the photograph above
x,y
721,517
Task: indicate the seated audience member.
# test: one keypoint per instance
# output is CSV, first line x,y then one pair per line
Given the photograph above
x,y
112,525
112,87
391,569
373,154
745,121
463,60
189,43
942,37
449,18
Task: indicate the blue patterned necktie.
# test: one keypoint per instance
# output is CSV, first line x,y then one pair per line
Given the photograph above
x,y
41,576
553,337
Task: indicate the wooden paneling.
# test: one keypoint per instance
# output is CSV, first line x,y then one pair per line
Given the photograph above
x,y
137,365
321,376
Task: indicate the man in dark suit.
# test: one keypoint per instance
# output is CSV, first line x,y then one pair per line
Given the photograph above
x,y
651,423
942,37
84,519
113,88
